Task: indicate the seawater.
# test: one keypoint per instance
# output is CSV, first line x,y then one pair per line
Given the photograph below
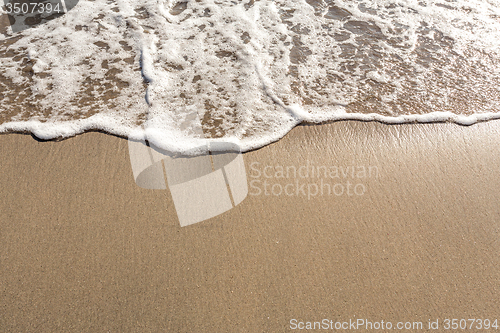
x,y
249,71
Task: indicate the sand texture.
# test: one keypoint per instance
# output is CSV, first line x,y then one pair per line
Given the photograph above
x,y
83,249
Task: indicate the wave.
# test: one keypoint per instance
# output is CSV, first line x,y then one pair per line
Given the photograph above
x,y
249,71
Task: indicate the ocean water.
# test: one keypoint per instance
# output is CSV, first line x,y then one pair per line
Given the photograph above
x,y
248,71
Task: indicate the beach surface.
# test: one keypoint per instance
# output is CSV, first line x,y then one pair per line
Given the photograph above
x,y
84,249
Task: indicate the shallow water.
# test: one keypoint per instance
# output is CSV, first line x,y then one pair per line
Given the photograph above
x,y
249,71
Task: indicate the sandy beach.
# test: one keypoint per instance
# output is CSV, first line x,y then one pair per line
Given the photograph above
x,y
86,250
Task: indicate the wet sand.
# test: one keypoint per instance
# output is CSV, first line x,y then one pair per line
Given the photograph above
x,y
86,250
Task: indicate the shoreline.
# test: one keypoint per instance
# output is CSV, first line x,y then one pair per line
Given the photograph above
x,y
39,130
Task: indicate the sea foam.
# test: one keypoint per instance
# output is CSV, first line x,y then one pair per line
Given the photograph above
x,y
249,71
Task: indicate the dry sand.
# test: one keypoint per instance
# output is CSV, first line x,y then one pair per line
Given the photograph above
x,y
83,249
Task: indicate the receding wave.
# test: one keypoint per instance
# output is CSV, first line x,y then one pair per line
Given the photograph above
x,y
248,71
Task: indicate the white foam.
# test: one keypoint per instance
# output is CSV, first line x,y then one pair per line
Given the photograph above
x,y
251,71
